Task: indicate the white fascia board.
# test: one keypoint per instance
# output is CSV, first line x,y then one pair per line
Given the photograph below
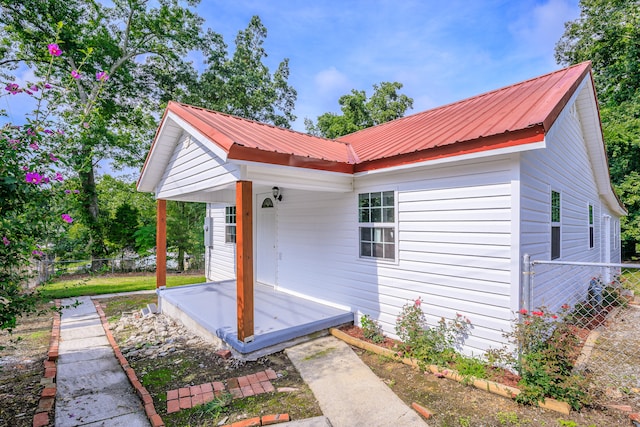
x,y
217,150
296,178
151,172
451,159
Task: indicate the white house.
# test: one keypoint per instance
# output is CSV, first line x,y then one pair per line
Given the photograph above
x,y
440,205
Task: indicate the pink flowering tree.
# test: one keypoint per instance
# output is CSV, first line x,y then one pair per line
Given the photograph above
x,y
33,186
116,64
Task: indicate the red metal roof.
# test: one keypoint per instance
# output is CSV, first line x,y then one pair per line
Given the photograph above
x,y
514,115
254,141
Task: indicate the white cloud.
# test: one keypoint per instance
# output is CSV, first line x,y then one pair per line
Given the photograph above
x,y
537,31
331,81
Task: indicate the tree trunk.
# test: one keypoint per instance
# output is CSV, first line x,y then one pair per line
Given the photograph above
x,y
180,259
89,199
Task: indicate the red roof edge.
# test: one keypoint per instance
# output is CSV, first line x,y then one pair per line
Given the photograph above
x,y
557,109
505,140
240,152
184,112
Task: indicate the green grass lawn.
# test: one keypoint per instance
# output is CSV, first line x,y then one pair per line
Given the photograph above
x,y
111,284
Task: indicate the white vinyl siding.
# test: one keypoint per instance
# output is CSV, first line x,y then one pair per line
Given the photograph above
x,y
193,167
220,256
563,166
454,248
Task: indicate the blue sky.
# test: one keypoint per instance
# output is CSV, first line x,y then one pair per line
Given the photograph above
x,y
442,51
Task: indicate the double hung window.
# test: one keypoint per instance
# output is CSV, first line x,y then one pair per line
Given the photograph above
x,y
377,225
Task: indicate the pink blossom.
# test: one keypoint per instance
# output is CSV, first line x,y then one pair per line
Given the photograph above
x,y
52,157
523,311
102,76
75,74
12,88
48,131
565,306
31,132
34,146
417,302
54,49
45,180
14,142
47,86
537,313
34,88
554,317
67,191
33,178
66,218
25,168
5,240
37,252
59,177
76,191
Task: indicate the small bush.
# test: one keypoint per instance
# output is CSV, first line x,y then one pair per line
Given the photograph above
x,y
429,345
545,363
371,329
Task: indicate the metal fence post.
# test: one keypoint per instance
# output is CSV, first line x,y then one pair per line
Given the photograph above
x,y
527,273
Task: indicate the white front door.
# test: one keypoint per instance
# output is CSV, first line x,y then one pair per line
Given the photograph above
x,y
266,255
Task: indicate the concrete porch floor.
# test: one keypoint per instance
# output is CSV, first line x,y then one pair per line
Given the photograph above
x,y
280,319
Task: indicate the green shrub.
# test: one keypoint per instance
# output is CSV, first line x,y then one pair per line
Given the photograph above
x,y
429,345
371,329
547,351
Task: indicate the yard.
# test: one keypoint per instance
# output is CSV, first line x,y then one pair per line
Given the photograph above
x,y
190,363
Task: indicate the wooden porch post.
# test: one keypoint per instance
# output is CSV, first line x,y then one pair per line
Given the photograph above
x,y
161,243
244,259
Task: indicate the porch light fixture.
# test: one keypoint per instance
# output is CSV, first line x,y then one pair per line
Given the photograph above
x,y
276,194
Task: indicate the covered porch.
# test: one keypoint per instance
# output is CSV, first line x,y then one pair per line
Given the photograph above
x,y
280,319
204,156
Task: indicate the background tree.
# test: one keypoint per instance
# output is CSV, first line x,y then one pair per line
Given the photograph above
x,y
184,230
358,112
608,34
242,84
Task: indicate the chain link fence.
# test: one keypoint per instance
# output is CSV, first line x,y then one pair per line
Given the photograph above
x,y
600,303
49,268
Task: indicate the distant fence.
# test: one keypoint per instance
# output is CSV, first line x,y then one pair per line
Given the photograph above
x,y
598,302
47,269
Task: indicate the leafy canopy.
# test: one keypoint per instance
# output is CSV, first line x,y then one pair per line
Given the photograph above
x,y
358,112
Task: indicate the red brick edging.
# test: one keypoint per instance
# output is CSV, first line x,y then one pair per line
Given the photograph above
x,y
248,385
147,400
47,401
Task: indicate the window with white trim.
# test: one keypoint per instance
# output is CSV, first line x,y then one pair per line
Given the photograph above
x,y
591,229
556,212
377,225
230,224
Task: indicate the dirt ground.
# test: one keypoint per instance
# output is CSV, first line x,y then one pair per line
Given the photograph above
x,y
453,404
21,368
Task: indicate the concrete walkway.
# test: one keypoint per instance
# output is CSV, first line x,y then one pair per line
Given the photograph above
x,y
92,388
350,395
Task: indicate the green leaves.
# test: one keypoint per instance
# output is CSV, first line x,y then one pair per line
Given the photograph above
x,y
243,85
358,112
